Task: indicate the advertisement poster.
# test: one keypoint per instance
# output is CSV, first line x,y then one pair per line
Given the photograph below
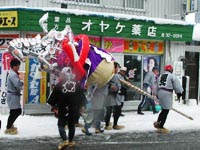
x,y
5,58
33,83
114,45
5,61
144,46
151,61
95,40
38,79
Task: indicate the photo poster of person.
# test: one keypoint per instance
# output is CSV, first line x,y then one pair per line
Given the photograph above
x,y
150,61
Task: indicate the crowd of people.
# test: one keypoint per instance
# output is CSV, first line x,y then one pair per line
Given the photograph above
x,y
69,101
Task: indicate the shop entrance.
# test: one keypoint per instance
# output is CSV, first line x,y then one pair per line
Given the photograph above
x,y
138,66
192,70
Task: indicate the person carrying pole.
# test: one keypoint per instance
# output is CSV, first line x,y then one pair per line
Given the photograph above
x,y
167,83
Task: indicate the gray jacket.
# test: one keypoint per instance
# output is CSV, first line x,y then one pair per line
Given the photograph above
x,y
113,98
14,87
167,83
99,98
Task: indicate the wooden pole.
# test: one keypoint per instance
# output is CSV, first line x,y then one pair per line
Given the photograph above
x,y
150,96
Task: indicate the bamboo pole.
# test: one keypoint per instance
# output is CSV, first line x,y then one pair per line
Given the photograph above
x,y
150,96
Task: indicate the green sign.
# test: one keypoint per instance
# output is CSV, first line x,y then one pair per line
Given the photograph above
x,y
100,25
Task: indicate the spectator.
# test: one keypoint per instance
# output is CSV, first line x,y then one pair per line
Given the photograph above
x,y
14,87
149,86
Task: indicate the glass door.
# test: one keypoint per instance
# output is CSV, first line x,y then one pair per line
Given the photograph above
x,y
134,73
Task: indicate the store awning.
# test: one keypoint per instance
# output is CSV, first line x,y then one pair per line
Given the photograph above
x,y
96,23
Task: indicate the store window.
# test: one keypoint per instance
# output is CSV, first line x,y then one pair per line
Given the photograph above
x,y
90,1
82,1
134,4
134,73
138,66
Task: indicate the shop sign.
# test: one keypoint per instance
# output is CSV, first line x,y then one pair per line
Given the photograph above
x,y
144,46
95,40
141,29
109,26
114,44
8,19
6,38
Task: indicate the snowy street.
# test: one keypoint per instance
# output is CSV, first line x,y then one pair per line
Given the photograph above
x,y
40,132
175,140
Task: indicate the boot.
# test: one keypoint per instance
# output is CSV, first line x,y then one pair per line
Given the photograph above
x,y
62,145
154,110
86,131
162,130
156,125
71,144
118,127
99,131
139,111
11,131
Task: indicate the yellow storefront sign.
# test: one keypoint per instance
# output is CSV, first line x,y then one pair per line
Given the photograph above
x,y
144,46
8,19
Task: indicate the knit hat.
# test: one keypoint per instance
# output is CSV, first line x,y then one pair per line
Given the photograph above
x,y
123,69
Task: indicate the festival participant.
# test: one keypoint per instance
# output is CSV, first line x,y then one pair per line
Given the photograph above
x,y
113,101
149,85
14,87
94,66
166,84
123,90
67,97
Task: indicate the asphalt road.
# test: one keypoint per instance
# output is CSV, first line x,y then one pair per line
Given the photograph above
x,y
176,140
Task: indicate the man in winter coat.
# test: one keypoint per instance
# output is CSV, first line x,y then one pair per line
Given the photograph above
x,y
14,87
113,101
167,83
67,96
149,86
124,87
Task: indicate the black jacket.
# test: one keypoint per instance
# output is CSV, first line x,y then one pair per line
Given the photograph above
x,y
73,95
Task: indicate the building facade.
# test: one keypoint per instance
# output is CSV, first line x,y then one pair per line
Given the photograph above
x,y
135,32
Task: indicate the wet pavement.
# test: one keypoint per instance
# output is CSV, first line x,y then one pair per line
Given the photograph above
x,y
175,140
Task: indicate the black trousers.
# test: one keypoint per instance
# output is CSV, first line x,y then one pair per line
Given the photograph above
x,y
162,117
116,114
14,114
67,117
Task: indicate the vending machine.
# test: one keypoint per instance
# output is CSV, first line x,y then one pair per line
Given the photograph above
x,y
184,80
185,85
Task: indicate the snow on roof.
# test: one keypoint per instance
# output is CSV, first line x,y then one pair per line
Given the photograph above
x,y
117,16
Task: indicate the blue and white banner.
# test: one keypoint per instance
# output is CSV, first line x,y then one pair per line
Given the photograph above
x,y
33,83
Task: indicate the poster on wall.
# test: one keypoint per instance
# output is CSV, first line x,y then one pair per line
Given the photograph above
x,y
95,40
5,62
33,82
144,46
150,61
38,83
114,45
5,58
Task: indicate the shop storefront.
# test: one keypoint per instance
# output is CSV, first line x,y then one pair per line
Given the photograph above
x,y
135,42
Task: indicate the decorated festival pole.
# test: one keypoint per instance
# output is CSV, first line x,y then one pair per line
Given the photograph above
x,y
150,96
